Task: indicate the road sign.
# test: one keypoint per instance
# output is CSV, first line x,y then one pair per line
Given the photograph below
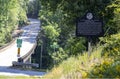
x,y
19,45
19,41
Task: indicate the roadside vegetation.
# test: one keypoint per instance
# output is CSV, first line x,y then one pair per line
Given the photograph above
x,y
19,77
104,62
65,54
12,15
58,49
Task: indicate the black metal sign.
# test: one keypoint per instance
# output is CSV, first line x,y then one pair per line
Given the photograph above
x,y
88,26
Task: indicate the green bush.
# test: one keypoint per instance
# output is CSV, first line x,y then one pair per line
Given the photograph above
x,y
111,47
109,66
104,62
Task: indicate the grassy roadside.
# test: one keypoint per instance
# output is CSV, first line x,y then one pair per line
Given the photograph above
x,y
75,67
104,62
83,66
72,68
19,77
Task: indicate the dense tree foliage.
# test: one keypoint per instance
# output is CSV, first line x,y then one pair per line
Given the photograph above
x,y
58,23
33,8
58,19
12,14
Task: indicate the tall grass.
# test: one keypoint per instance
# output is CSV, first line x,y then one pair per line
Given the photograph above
x,y
104,62
75,67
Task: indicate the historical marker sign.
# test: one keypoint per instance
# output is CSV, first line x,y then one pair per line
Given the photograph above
x,y
89,26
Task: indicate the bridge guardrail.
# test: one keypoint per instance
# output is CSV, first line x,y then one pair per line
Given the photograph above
x,y
27,55
22,60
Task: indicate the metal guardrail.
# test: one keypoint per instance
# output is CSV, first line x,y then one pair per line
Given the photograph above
x,y
28,55
22,61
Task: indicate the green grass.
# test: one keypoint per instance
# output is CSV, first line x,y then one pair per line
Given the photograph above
x,y
104,62
81,66
19,77
75,67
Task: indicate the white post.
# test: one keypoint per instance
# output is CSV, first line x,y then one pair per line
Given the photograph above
x,y
89,46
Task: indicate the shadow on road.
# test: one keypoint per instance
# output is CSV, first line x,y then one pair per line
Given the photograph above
x,y
15,72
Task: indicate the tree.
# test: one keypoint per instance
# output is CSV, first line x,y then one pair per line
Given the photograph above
x,y
33,8
64,14
12,12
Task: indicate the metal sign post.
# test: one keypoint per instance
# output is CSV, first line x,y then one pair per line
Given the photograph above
x,y
89,46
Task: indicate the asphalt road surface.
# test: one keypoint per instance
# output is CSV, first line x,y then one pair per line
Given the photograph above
x,y
9,55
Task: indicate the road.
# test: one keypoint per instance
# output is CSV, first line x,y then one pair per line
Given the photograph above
x,y
9,55
6,71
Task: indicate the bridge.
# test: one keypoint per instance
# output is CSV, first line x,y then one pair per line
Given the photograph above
x,y
8,55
